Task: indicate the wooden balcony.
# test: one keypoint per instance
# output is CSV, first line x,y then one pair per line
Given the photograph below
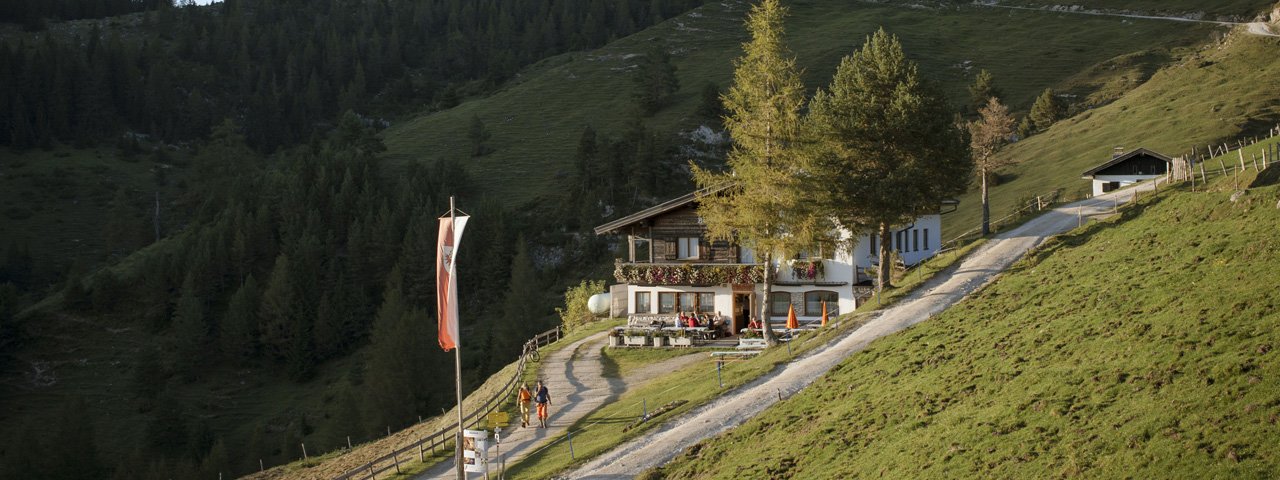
x,y
694,274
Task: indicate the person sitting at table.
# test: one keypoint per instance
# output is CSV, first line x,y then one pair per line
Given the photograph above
x,y
753,324
693,320
679,320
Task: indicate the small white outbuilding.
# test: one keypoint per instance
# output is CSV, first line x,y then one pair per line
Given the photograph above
x,y
1125,169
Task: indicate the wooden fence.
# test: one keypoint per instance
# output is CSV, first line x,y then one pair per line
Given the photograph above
x,y
1189,165
440,439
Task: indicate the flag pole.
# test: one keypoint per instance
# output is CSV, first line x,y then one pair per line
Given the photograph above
x,y
457,372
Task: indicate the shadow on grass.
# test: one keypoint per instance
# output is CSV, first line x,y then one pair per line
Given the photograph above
x,y
1082,235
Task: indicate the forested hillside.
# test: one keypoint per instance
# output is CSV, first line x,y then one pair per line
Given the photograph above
x,y
282,294
208,256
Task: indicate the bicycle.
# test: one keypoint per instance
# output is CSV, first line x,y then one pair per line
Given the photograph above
x,y
531,351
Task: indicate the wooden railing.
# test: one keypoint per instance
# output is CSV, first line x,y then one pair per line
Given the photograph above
x,y
441,438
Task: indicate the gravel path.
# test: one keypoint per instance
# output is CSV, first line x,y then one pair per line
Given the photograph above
x,y
574,377
734,408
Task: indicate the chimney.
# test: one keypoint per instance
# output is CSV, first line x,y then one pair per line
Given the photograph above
x,y
1117,152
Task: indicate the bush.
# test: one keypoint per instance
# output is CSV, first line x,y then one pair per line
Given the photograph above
x,y
575,312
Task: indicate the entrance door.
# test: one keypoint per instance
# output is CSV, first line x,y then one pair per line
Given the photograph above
x,y
741,311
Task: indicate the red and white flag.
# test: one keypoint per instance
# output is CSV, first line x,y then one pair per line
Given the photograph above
x,y
446,288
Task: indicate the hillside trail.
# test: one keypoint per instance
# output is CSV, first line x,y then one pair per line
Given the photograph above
x,y
739,405
1263,29
574,376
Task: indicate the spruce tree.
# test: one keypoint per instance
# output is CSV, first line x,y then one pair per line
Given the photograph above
x,y
239,335
1047,110
761,201
276,310
655,79
521,304
887,149
983,88
395,382
190,331
987,136
478,134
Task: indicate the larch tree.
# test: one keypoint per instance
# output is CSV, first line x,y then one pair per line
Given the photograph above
x,y
761,199
884,144
987,136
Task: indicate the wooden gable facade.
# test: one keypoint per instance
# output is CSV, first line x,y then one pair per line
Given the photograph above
x,y
664,228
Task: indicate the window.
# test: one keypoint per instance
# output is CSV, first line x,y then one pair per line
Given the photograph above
x,y
666,302
642,302
686,301
926,239
778,303
873,244
688,249
706,303
640,250
745,255
915,240
813,303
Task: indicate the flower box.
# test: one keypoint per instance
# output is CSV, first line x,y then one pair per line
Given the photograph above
x,y
635,340
659,341
681,341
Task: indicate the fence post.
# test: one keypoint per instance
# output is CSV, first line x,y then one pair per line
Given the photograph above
x,y
396,458
570,434
720,379
261,468
304,450
645,407
420,456
348,442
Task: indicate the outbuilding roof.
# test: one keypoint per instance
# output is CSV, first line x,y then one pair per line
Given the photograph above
x,y
1122,158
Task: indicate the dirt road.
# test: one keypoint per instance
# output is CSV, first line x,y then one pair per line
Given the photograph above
x,y
575,379
734,408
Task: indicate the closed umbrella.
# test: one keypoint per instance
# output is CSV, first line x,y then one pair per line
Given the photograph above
x,y
824,314
792,323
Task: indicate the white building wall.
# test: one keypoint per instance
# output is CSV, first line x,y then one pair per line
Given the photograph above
x,y
923,239
1125,180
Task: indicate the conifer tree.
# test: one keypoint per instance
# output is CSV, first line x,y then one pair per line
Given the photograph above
x,y
983,88
478,134
655,79
886,148
397,358
276,310
190,330
1047,110
239,335
762,200
987,136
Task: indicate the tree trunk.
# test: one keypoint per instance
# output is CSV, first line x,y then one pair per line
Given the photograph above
x,y
883,278
765,330
986,207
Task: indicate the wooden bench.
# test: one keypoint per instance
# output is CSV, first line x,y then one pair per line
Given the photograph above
x,y
733,355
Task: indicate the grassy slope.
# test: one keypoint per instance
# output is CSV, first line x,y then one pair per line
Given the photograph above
x,y
1220,92
1131,348
537,120
57,202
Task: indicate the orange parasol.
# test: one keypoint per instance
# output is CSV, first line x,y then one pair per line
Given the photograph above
x,y
792,323
824,314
